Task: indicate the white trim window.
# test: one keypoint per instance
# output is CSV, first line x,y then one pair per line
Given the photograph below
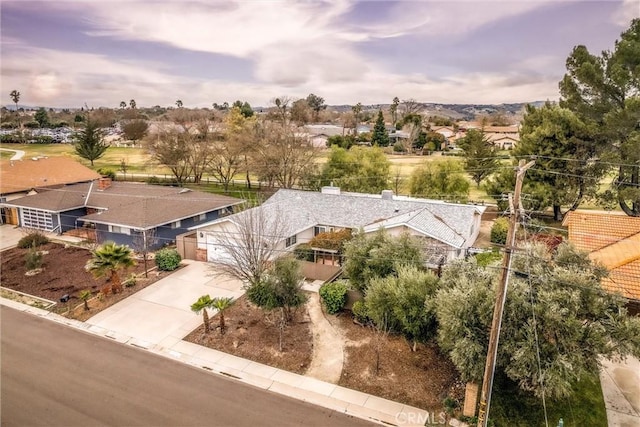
x,y
291,241
119,230
176,224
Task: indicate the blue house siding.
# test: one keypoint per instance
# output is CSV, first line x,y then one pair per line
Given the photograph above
x,y
68,219
164,234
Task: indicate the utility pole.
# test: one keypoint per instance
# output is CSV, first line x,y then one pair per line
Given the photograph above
x,y
501,295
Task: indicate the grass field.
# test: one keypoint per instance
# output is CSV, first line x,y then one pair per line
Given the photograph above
x,y
511,407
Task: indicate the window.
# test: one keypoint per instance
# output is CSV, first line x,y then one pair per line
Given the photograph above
x,y
291,241
176,224
319,229
119,230
202,217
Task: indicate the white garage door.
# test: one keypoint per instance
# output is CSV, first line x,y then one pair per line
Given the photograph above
x,y
34,218
216,251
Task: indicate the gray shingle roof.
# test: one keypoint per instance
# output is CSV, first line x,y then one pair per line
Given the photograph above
x,y
300,210
128,204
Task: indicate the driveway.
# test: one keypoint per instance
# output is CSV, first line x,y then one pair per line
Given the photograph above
x,y
621,389
9,236
161,313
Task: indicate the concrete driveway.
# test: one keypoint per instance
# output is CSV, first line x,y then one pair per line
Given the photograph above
x,y
161,313
9,236
621,389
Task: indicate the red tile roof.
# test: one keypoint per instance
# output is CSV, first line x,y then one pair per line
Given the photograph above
x,y
612,239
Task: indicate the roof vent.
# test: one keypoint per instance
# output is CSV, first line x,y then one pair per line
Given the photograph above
x,y
387,195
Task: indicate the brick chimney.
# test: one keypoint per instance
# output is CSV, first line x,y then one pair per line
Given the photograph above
x,y
104,183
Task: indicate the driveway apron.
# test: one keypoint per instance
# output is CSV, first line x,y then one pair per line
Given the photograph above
x,y
161,312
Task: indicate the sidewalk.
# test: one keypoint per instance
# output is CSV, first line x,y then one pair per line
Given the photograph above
x,y
157,318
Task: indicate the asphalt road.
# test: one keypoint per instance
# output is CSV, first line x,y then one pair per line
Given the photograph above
x,y
53,375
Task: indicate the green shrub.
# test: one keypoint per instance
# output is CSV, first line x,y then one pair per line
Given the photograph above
x,y
131,280
499,231
33,259
398,147
153,180
334,296
359,310
485,258
32,240
303,252
167,259
109,173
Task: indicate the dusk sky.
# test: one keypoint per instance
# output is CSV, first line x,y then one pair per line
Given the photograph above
x,y
100,52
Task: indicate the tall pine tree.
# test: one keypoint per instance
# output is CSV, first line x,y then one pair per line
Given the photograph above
x,y
380,136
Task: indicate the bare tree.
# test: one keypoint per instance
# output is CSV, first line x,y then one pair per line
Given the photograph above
x,y
248,242
143,241
283,155
380,336
170,147
227,161
409,107
279,109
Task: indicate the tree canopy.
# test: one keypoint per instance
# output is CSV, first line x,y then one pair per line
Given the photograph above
x,y
604,91
555,306
358,169
567,169
380,135
440,180
480,155
89,142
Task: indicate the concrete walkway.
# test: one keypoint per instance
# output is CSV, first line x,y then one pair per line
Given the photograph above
x,y
19,154
328,345
621,389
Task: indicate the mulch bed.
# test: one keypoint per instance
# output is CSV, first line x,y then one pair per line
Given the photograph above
x,y
423,378
250,335
63,273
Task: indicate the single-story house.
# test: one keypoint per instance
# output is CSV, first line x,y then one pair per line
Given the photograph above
x,y
447,229
505,141
123,212
20,177
613,240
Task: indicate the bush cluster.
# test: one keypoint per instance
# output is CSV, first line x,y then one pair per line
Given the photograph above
x,y
32,240
334,296
360,312
168,259
499,231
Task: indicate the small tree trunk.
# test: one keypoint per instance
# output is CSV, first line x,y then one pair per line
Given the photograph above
x,y
205,320
557,213
116,286
146,269
222,324
86,305
281,328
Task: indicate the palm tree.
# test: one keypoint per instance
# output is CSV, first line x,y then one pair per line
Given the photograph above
x,y
84,296
15,96
108,259
179,103
221,304
132,104
123,105
201,305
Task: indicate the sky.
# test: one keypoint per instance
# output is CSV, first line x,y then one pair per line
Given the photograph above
x,y
68,53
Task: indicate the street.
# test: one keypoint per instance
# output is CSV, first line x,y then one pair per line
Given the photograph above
x,y
53,375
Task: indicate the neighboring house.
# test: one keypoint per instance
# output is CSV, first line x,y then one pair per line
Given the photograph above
x,y
613,240
20,177
122,212
505,141
447,229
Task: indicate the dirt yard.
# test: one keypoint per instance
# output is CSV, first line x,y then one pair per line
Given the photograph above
x,y
423,378
252,336
63,273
